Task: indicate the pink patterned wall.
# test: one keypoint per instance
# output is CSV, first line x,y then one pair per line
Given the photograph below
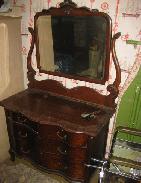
x,y
126,18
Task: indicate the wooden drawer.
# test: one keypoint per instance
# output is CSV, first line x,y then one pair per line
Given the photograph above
x,y
22,138
76,171
53,147
51,132
22,119
76,155
24,131
25,150
52,162
19,117
77,139
26,140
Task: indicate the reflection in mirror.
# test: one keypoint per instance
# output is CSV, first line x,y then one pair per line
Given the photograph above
x,y
74,45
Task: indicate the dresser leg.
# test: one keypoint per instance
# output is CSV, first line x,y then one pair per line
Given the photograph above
x,y
12,155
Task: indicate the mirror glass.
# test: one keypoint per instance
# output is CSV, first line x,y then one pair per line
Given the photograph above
x,y
73,45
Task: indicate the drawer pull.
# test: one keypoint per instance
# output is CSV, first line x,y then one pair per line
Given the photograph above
x,y
26,126
61,151
61,137
25,152
22,135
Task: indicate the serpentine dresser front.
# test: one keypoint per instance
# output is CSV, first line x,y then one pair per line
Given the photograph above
x,y
57,133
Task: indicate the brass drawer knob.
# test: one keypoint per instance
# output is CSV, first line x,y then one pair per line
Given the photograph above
x,y
62,137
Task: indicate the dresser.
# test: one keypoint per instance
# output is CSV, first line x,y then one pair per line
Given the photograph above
x,y
50,131
61,130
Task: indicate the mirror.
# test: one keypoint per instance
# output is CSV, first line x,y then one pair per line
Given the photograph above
x,y
74,43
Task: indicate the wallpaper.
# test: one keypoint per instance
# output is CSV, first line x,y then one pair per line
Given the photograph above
x,y
126,18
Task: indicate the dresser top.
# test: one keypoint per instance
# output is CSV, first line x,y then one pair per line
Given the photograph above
x,y
42,107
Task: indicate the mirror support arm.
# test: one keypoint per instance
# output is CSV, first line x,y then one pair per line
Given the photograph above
x,y
30,71
113,88
115,60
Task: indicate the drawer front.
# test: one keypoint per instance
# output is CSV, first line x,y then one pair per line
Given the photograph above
x,y
52,162
22,139
76,155
76,171
77,139
55,133
64,151
19,117
26,140
53,147
51,132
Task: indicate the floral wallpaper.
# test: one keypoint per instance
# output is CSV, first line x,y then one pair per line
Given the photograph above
x,y
126,18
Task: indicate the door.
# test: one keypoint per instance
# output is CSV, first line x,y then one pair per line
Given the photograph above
x,y
130,109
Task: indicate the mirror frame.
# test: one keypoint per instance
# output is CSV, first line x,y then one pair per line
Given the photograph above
x,y
69,8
